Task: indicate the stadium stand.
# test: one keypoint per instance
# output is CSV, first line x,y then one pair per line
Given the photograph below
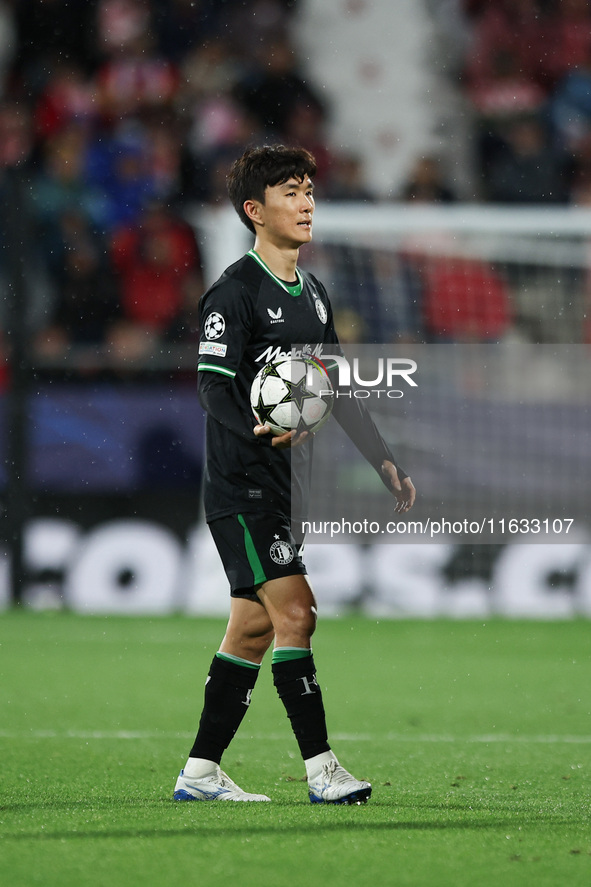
x,y
454,183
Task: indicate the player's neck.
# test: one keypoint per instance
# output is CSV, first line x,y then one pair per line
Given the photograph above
x,y
282,262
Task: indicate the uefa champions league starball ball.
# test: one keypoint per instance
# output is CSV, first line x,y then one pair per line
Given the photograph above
x,y
292,393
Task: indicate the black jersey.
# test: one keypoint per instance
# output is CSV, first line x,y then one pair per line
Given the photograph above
x,y
247,318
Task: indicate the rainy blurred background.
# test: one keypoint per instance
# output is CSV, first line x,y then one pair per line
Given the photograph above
x,y
453,140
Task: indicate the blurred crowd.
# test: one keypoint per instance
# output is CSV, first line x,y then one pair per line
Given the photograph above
x,y
527,75
523,71
121,113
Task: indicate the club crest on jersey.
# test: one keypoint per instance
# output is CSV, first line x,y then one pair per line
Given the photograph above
x,y
276,316
320,309
281,553
215,326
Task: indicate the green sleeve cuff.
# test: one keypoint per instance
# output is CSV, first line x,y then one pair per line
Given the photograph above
x,y
213,368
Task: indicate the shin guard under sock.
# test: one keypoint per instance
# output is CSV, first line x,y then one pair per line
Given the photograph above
x,y
295,681
227,696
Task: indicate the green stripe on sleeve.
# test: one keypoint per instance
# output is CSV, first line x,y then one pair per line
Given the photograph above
x,y
258,572
216,369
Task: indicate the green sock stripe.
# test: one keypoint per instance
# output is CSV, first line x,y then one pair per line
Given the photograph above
x,y
285,654
258,573
237,660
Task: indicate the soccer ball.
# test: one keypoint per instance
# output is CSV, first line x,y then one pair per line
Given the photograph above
x,y
292,393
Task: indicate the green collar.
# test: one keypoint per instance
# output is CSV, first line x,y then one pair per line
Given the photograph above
x,y
294,289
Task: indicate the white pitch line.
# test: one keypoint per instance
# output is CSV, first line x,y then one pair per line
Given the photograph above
x,y
492,738
422,738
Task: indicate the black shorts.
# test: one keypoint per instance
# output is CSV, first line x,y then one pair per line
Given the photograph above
x,y
255,547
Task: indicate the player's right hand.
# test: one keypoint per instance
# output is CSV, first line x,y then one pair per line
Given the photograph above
x,y
284,441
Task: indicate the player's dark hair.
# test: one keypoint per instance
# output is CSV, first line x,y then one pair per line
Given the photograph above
x,y
269,165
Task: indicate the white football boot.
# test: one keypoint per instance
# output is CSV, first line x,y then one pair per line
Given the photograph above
x,y
216,787
334,785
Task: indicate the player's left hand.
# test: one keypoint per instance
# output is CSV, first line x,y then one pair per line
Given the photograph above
x,y
284,441
404,490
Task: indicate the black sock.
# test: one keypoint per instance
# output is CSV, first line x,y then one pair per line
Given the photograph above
x,y
227,697
296,685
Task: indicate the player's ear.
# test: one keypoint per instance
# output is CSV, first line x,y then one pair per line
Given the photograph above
x,y
252,209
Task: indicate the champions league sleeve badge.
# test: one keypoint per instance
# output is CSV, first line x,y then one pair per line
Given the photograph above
x,y
214,326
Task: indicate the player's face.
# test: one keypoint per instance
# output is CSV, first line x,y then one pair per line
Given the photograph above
x,y
287,212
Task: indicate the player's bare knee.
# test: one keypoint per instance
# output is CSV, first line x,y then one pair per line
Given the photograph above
x,y
301,619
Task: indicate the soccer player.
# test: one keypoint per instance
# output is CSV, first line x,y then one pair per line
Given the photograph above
x,y
258,308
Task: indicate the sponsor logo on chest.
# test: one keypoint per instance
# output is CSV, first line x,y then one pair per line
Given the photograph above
x,y
278,353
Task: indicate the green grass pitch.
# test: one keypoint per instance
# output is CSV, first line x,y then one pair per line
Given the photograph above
x,y
476,737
